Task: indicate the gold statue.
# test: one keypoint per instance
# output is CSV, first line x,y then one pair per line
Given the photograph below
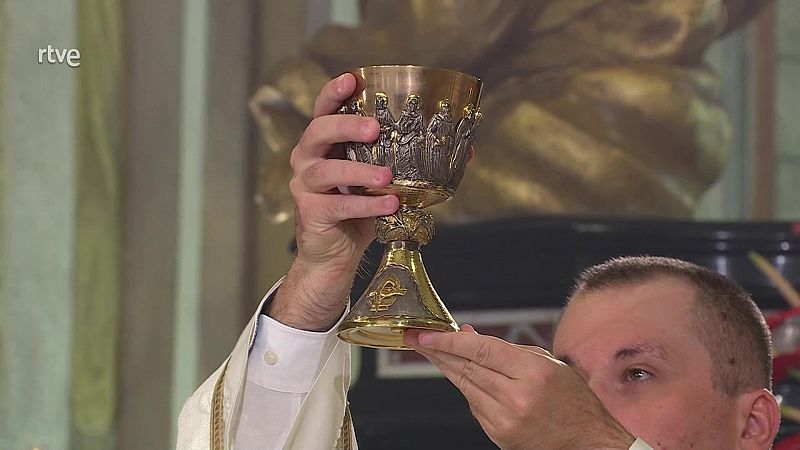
x,y
596,107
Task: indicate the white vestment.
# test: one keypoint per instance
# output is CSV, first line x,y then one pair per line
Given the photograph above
x,y
296,384
318,410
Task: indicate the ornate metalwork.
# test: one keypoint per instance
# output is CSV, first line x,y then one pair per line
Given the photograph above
x,y
439,138
357,151
427,163
410,139
382,299
436,154
384,149
407,224
465,136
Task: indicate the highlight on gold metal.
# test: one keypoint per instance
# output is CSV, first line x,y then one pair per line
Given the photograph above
x,y
427,119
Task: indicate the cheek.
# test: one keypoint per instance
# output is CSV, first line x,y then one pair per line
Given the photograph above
x,y
676,420
657,422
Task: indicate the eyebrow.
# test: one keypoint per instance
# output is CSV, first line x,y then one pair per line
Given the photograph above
x,y
640,349
626,352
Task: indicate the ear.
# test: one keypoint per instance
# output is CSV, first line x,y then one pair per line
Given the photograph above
x,y
761,419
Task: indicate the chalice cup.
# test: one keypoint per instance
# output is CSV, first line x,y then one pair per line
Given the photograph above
x,y
428,118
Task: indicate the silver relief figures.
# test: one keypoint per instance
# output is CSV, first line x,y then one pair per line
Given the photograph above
x,y
349,147
439,142
363,152
384,150
410,139
435,154
465,136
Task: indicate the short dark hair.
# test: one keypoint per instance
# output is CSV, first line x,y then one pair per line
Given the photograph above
x,y
726,319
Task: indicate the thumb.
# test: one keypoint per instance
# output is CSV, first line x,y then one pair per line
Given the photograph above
x,y
468,328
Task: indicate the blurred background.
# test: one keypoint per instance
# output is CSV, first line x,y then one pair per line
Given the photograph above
x,y
144,203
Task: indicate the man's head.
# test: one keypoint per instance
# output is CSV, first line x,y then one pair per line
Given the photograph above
x,y
678,353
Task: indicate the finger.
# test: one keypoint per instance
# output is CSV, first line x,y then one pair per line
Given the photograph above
x,y
324,209
480,397
327,174
333,94
533,349
539,351
487,351
325,131
462,372
470,153
468,328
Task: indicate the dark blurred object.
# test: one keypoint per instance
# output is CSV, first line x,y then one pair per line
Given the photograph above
x,y
593,107
531,263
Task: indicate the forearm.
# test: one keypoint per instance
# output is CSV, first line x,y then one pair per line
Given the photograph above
x,y
312,297
604,432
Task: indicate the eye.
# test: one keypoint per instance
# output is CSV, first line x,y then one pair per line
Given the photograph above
x,y
635,374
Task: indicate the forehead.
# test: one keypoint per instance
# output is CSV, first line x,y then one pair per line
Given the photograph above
x,y
656,310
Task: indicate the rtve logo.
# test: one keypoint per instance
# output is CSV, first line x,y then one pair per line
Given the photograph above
x,y
72,57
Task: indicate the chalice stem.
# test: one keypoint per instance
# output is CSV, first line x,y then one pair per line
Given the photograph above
x,y
401,295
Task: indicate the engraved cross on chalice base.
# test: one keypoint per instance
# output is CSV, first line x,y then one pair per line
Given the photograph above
x,y
427,119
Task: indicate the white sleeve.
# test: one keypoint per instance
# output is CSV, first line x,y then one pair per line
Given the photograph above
x,y
282,367
639,444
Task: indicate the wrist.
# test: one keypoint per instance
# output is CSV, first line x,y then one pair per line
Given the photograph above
x,y
602,431
311,298
611,436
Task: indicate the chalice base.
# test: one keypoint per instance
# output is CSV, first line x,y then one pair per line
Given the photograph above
x,y
399,297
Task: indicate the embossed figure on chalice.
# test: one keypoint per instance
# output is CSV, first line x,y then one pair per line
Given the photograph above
x,y
439,141
384,150
410,139
358,151
465,136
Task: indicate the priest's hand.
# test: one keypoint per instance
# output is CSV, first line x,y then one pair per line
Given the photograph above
x,y
333,229
523,397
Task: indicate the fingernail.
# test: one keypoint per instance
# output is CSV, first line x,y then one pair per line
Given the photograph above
x,y
340,82
390,204
426,339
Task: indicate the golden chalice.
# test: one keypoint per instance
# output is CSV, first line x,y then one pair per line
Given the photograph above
x,y
428,119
